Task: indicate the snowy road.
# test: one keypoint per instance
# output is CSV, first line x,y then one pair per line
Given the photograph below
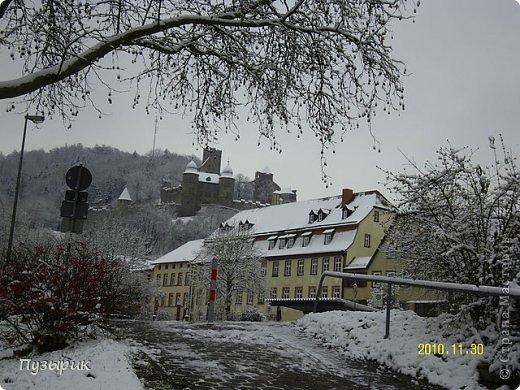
x,y
250,356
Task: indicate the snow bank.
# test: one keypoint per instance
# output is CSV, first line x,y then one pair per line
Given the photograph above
x,y
107,362
360,335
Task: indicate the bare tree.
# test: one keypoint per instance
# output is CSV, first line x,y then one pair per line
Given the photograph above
x,y
239,266
326,63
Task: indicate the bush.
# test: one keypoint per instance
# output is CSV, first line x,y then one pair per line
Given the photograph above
x,y
49,296
251,314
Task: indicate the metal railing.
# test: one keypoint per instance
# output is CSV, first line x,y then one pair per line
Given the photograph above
x,y
445,286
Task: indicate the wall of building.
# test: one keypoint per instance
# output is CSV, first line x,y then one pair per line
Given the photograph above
x,y
174,282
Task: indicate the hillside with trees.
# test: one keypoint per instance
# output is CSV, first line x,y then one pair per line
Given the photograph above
x,y
152,229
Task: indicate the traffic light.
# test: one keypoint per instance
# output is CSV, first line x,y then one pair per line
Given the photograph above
x,y
75,205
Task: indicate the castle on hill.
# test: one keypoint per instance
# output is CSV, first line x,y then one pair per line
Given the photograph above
x,y
207,184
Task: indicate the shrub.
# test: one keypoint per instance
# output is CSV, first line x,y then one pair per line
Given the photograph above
x,y
251,314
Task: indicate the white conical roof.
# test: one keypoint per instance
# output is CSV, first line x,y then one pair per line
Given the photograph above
x,y
125,195
191,167
267,170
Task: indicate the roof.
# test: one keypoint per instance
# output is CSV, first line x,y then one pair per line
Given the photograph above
x,y
186,252
359,263
340,242
191,167
125,195
227,172
295,216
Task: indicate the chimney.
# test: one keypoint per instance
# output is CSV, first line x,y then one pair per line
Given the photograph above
x,y
346,196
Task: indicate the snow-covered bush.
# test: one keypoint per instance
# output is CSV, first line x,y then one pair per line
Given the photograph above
x,y
50,295
251,314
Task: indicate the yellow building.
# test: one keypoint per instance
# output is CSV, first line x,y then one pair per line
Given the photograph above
x,y
172,273
300,240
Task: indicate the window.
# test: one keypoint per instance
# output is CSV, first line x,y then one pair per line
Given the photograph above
x,y
285,292
173,266
376,216
170,300
178,299
261,297
238,299
159,268
290,242
249,297
324,292
346,212
166,266
305,240
186,299
320,217
165,280
301,267
272,243
273,293
312,292
172,278
328,238
298,292
337,264
325,264
158,278
366,241
376,284
281,243
179,279
314,266
288,266
264,269
336,292
391,274
312,217
275,268
187,279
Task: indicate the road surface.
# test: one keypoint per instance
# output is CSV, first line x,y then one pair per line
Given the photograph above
x,y
240,355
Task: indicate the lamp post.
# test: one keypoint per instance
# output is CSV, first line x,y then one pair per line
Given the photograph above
x,y
35,119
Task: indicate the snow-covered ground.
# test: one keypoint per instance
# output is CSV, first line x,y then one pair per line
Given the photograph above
x,y
105,367
360,335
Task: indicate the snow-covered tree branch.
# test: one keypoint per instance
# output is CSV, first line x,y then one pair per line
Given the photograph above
x,y
325,63
460,222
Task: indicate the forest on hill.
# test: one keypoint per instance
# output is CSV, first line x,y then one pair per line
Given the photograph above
x,y
152,229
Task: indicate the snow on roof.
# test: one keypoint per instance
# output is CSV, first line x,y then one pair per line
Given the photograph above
x,y
284,191
209,177
295,216
359,263
191,167
340,242
227,172
186,252
267,170
125,195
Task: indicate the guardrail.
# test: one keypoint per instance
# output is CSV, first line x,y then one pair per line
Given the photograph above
x,y
445,286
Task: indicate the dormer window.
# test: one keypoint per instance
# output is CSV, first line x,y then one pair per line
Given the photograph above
x,y
322,214
306,238
329,233
281,242
312,216
245,225
346,212
225,227
272,242
290,240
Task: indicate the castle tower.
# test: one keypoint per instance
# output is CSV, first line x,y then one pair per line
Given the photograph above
x,y
190,196
211,159
226,186
264,186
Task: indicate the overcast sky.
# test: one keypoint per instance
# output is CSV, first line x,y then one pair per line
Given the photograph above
x,y
463,59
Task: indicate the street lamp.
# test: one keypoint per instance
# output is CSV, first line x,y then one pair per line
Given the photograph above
x,y
35,119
